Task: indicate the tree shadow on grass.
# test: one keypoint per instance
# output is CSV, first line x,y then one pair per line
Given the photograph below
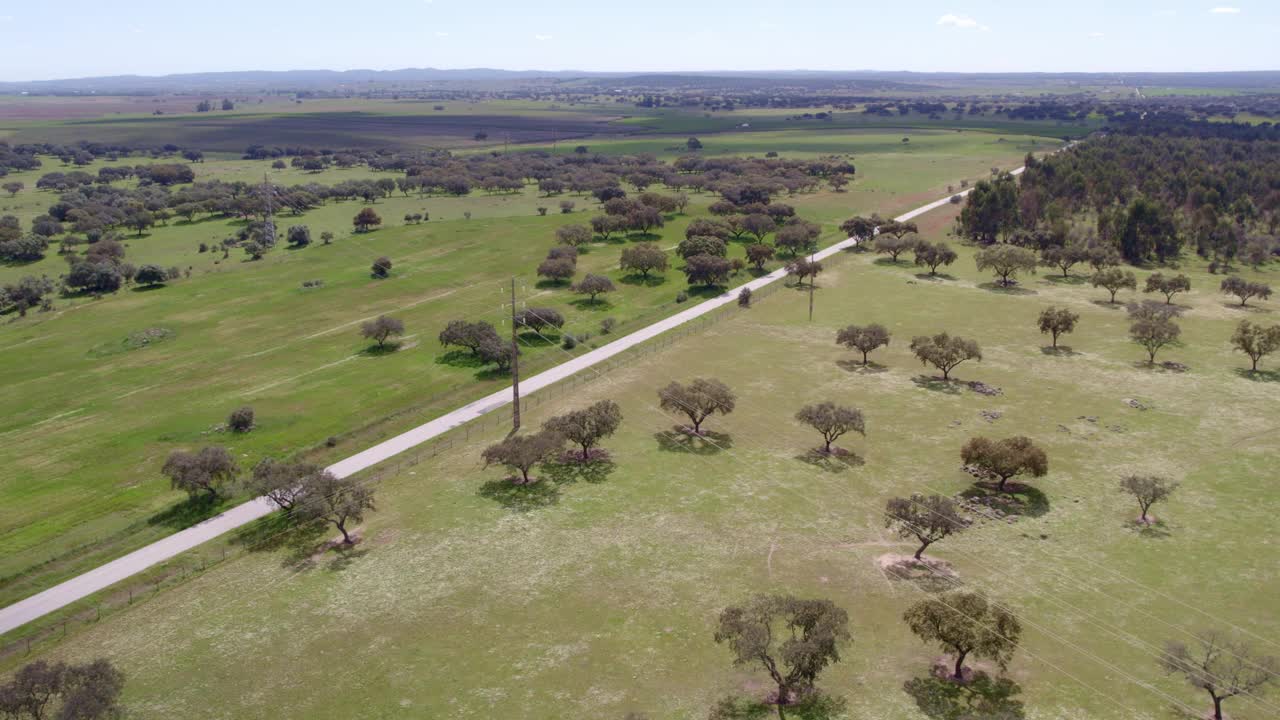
x,y
1010,289
838,460
1016,499
1070,280
705,292
889,262
568,471
520,498
536,339
460,359
1153,529
1108,305
1161,367
492,373
149,288
927,574
194,509
345,556
813,705
981,697
855,366
592,305
643,281
937,277
937,384
1259,375
375,350
1244,308
681,440
1060,351
551,284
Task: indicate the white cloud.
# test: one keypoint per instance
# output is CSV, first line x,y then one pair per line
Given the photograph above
x,y
1097,34
541,38
1225,11
441,34
957,21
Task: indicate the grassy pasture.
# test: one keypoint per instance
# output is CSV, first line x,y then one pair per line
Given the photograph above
x,y
86,425
595,596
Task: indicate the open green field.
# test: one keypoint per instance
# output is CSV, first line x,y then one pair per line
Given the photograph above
x,y
87,425
596,596
416,123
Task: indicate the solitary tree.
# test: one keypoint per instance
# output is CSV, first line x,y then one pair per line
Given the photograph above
x,y
644,258
1256,341
927,519
1221,667
522,452
558,269
758,254
573,235
1006,458
1167,286
366,220
381,329
241,419
284,483
381,268
707,270
966,623
470,335
14,187
594,285
299,235
1064,257
538,319
78,691
933,255
790,638
586,427
944,351
803,268
209,470
1245,289
336,500
863,338
1114,280
150,275
698,400
1152,327
1057,321
1005,261
1147,490
895,245
832,421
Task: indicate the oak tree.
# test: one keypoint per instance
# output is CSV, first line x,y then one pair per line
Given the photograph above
x,y
1147,490
1005,458
927,519
1256,341
966,623
1221,667
863,338
1057,321
1114,280
586,427
522,452
945,352
832,421
381,329
699,400
790,638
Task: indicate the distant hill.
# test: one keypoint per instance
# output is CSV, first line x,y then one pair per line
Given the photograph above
x,y
425,78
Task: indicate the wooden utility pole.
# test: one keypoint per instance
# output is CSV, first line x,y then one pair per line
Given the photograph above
x,y
812,281
515,364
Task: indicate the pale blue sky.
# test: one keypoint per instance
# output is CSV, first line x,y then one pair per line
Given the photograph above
x,y
73,38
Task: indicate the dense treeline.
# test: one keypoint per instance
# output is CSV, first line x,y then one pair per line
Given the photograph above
x,y
1148,196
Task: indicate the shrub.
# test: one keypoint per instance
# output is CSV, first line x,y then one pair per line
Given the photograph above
x,y
682,296
241,420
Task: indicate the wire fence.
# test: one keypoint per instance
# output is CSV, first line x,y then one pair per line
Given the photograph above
x,y
52,628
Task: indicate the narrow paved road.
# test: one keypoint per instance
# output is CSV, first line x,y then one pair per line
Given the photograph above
x,y
82,586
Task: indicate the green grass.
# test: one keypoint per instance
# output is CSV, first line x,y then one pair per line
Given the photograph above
x,y
595,598
86,425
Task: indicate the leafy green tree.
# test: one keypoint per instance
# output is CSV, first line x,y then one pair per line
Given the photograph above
x,y
832,421
365,220
1256,341
209,470
150,275
586,427
1005,261
1167,286
790,638
934,255
698,400
758,254
991,210
863,338
335,500
1114,280
643,258
944,351
381,329
1147,490
1057,321
927,519
1152,327
707,270
521,453
594,285
1245,289
1006,458
966,623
